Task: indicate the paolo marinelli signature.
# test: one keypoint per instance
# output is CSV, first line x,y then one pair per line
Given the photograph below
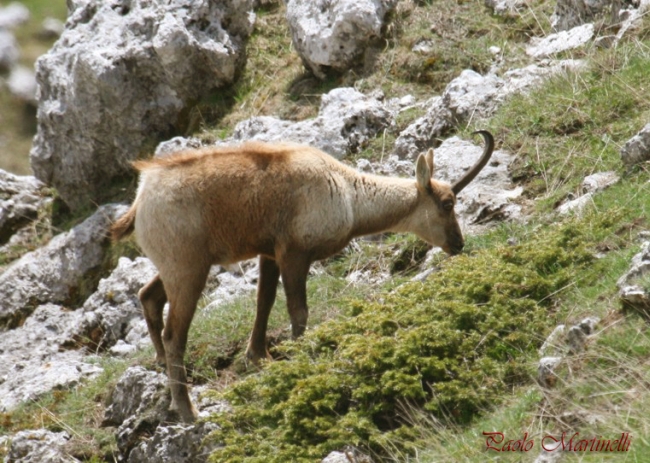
x,y
565,442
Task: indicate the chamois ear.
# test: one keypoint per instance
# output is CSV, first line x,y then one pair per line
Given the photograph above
x,y
423,172
429,158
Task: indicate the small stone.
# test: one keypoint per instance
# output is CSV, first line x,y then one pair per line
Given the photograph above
x,y
577,339
546,371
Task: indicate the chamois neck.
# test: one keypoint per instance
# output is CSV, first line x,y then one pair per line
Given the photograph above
x,y
382,204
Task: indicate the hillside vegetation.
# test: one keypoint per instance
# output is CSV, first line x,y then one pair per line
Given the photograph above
x,y
417,370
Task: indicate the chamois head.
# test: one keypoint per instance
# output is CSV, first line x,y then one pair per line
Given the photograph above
x,y
435,219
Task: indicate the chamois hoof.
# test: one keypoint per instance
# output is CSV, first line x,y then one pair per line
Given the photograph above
x,y
256,359
186,416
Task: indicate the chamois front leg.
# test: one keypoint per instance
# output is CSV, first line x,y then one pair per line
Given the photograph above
x,y
294,269
153,298
267,286
184,293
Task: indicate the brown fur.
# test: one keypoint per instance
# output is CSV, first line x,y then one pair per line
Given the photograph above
x,y
288,204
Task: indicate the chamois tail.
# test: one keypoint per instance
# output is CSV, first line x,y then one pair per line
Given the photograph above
x,y
124,226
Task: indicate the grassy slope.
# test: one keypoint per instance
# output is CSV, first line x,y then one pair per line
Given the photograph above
x,y
570,128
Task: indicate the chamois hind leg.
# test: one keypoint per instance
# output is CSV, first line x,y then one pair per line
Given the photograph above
x,y
184,292
267,286
153,298
294,269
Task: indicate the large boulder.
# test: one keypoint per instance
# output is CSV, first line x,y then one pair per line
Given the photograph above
x,y
333,35
59,272
121,77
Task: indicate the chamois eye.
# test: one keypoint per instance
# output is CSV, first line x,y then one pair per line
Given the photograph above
x,y
448,205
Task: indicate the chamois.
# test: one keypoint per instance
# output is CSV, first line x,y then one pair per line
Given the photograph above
x,y
288,204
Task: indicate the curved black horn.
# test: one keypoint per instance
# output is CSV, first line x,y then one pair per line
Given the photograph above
x,y
485,157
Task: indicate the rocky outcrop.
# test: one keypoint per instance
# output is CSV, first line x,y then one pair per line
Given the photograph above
x,y
38,357
346,121
562,41
178,443
136,391
489,196
637,148
472,96
113,312
21,200
334,35
138,406
59,272
39,446
120,78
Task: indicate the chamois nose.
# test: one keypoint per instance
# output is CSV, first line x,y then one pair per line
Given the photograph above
x,y
457,249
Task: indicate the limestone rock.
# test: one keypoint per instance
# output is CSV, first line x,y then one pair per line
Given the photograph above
x,y
489,196
333,35
554,342
591,185
637,148
561,41
633,291
36,358
571,13
38,446
177,144
502,7
109,311
8,50
599,181
13,15
51,28
471,96
21,199
121,76
576,205
22,84
135,392
177,443
546,376
346,121
56,272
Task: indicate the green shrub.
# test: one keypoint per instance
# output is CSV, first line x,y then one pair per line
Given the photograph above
x,y
451,346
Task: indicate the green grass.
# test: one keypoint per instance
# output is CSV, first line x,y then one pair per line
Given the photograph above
x,y
580,126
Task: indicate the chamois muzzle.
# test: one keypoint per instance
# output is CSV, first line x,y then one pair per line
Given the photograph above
x,y
474,171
